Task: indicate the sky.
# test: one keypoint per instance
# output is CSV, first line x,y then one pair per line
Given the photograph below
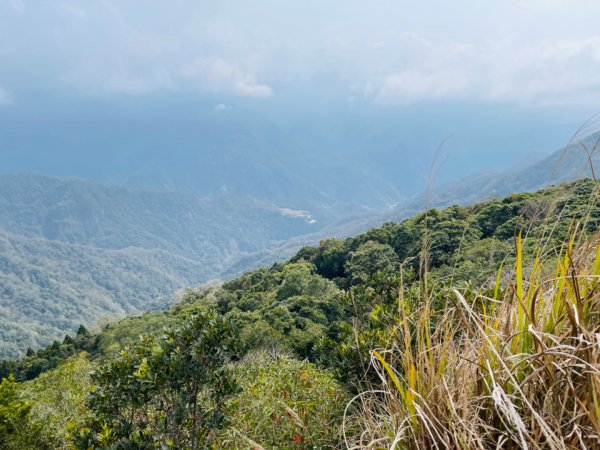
x,y
522,65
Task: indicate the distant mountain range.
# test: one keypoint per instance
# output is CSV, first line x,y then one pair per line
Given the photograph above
x,y
211,230
74,251
206,151
579,159
339,159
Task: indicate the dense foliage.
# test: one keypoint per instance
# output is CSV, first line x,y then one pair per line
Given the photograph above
x,y
165,393
274,357
13,415
73,251
48,358
284,403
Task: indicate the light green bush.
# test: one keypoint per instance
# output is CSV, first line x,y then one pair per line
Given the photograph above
x,y
285,403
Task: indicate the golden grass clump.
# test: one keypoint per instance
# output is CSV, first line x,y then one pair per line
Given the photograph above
x,y
519,369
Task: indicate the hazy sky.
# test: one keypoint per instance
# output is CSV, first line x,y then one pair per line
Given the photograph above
x,y
538,52
538,58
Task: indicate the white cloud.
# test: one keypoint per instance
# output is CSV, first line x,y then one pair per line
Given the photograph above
x,y
551,73
203,75
5,98
130,85
396,52
221,107
411,86
218,76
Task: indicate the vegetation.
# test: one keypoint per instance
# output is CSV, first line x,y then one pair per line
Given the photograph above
x,y
48,358
167,393
285,403
13,414
74,252
58,404
515,369
472,327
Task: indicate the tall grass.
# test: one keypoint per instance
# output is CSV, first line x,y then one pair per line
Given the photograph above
x,y
516,366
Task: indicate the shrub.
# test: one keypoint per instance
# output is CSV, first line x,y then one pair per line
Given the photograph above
x,y
57,400
285,403
168,392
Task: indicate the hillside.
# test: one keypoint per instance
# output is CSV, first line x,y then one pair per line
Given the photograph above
x,y
49,288
349,307
576,160
211,229
464,244
193,239
74,251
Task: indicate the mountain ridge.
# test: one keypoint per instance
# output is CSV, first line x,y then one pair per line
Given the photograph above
x,y
84,250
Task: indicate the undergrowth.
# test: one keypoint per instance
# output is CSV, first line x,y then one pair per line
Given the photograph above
x,y
513,366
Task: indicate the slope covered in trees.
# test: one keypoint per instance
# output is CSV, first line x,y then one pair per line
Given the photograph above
x,y
49,288
211,230
74,252
273,358
162,241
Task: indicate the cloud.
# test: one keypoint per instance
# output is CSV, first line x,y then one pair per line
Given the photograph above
x,y
411,86
218,76
132,85
202,75
533,52
557,73
221,107
5,98
550,73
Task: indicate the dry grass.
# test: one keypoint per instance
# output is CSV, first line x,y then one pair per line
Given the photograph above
x,y
518,369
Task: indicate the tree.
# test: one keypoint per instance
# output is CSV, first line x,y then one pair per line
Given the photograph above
x,y
330,258
13,414
164,393
370,258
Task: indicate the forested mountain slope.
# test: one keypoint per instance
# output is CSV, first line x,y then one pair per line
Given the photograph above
x,y
210,229
244,342
48,288
74,251
212,237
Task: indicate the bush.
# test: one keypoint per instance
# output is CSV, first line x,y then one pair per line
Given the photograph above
x,y
57,400
14,413
285,403
168,392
